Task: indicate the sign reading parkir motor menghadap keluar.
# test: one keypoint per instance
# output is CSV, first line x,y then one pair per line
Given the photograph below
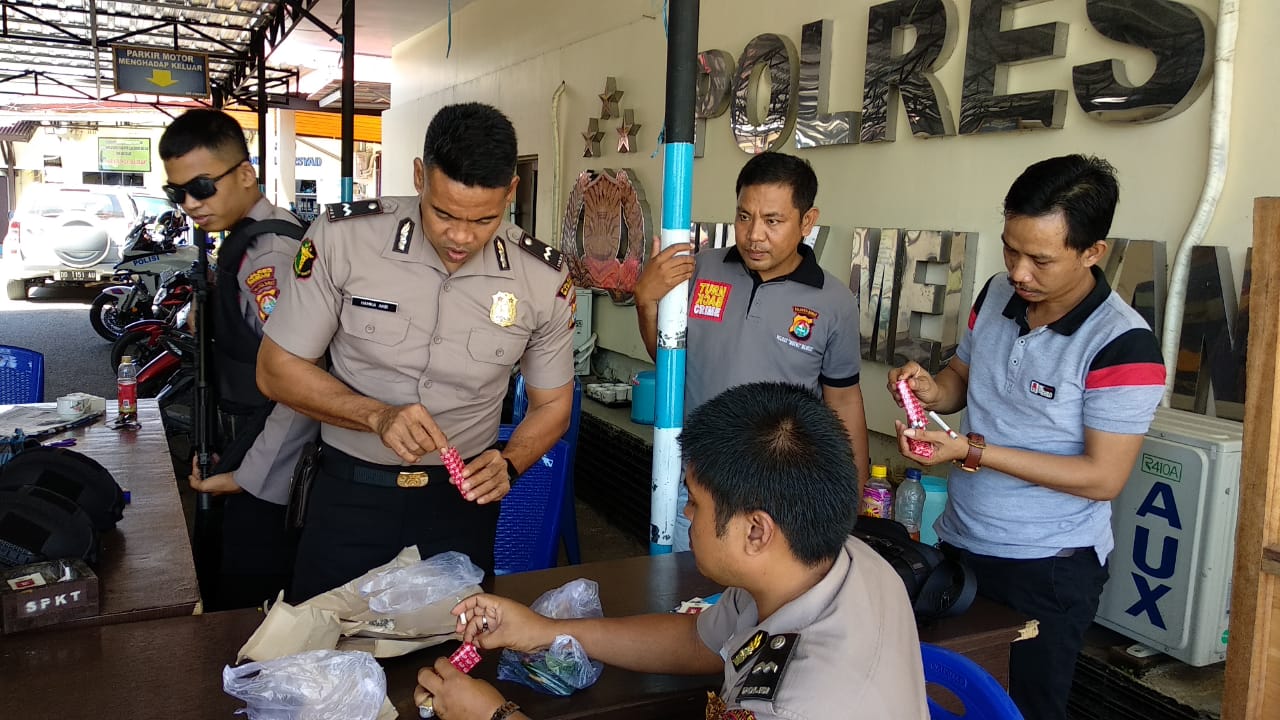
x,y
159,71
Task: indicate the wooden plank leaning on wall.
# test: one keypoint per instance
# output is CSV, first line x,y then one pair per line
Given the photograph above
x,y
1252,690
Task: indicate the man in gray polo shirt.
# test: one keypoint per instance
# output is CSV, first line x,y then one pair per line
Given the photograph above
x,y
1060,379
763,309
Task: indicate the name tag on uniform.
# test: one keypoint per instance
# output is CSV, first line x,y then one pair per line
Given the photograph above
x,y
383,305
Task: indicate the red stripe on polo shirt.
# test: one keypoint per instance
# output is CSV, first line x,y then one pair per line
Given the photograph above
x,y
1127,375
973,317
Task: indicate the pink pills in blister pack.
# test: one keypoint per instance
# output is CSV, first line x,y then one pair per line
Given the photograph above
x,y
916,418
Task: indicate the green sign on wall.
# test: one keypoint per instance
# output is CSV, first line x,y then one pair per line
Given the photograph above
x,y
124,155
157,71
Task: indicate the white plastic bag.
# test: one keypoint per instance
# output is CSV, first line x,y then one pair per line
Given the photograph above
x,y
315,685
405,589
564,667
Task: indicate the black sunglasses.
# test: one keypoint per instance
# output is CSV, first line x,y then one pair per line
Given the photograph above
x,y
201,188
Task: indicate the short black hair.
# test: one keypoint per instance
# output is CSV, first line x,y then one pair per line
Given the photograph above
x,y
777,448
1083,187
212,130
472,143
773,168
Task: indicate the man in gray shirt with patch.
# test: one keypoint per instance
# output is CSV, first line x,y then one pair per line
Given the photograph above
x,y
1059,379
763,309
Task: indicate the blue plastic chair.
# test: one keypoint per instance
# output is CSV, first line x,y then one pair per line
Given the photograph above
x,y
568,513
529,520
983,698
21,375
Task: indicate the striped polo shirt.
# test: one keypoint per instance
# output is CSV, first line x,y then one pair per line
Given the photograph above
x,y
1098,366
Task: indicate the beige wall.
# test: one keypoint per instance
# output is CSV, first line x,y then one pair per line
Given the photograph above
x,y
514,54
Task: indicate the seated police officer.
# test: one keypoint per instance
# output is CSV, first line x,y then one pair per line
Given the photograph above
x,y
423,304
813,624
206,161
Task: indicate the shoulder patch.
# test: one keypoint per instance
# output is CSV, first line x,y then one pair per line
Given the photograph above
x,y
566,288
342,211
305,258
762,681
542,251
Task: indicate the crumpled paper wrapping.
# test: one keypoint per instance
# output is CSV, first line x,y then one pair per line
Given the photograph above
x,y
341,619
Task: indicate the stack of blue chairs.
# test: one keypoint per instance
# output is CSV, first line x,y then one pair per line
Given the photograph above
x,y
529,521
568,513
21,375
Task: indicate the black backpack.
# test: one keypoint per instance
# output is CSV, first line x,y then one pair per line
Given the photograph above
x,y
937,585
38,524
75,476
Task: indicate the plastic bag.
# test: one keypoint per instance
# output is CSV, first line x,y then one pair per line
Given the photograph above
x,y
315,685
563,667
410,588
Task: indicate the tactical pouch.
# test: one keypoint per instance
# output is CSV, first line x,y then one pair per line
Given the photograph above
x,y
304,473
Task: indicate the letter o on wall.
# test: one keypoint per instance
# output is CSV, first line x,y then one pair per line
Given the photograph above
x,y
776,55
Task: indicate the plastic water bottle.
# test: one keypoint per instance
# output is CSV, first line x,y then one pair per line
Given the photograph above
x,y
909,504
127,390
877,494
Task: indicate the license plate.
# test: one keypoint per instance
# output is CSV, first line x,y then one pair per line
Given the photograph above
x,y
77,275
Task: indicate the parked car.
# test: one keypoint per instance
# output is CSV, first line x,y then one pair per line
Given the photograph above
x,y
72,234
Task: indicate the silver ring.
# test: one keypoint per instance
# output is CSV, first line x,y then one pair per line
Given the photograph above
x,y
427,708
484,624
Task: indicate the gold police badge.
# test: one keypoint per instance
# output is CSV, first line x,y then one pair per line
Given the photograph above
x,y
502,311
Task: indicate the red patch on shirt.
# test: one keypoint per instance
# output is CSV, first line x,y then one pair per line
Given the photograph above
x,y
710,300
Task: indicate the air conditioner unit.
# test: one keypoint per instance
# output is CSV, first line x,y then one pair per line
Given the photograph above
x,y
1175,528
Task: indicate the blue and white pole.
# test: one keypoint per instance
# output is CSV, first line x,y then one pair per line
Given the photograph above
x,y
677,197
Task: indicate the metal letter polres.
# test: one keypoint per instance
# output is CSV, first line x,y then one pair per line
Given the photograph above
x,y
1177,34
909,285
893,70
715,78
984,104
777,55
814,126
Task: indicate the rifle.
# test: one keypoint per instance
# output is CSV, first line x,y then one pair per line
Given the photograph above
x,y
206,541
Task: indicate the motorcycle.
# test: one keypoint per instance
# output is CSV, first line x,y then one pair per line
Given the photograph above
x,y
150,260
141,339
158,348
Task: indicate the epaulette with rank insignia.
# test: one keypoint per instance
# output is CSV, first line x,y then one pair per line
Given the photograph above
x,y
344,210
542,251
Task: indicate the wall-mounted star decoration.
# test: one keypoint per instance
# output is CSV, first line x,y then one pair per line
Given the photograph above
x,y
592,138
609,98
627,132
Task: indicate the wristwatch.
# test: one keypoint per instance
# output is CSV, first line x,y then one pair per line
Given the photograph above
x,y
973,460
512,473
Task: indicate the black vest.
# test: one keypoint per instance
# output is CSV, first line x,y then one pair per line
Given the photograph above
x,y
235,341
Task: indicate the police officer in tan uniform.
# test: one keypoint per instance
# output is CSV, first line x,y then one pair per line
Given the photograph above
x,y
423,305
206,162
814,624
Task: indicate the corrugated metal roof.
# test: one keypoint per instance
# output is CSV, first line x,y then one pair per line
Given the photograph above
x,y
62,48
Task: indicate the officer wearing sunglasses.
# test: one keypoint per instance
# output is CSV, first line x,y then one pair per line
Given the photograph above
x,y
206,160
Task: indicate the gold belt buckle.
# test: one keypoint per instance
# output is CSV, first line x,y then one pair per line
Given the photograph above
x,y
411,479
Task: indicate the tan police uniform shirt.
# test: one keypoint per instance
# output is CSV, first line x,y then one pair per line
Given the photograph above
x,y
399,328
265,275
845,648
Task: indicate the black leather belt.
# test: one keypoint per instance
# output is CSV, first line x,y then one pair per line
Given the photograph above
x,y
342,465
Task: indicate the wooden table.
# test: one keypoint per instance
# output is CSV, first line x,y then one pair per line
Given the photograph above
x,y
172,668
145,568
